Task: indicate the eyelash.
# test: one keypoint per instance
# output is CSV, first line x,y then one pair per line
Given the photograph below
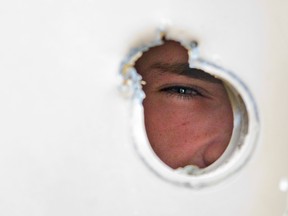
x,y
182,91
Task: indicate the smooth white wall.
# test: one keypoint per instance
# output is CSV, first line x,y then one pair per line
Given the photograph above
x,y
65,144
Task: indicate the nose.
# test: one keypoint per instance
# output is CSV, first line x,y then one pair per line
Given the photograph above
x,y
213,152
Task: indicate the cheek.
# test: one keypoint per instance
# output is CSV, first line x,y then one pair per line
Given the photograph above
x,y
164,117
168,115
178,131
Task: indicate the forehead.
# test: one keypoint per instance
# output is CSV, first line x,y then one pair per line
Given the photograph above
x,y
169,58
170,51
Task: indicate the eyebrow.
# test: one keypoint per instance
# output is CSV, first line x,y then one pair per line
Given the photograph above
x,y
185,70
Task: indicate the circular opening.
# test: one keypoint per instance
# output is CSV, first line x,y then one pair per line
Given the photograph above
x,y
193,122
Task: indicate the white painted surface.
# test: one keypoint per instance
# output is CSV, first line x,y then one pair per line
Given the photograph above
x,y
65,145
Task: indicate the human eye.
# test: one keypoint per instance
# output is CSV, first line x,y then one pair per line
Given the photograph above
x,y
182,91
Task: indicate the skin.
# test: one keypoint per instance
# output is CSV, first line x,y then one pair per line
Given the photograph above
x,y
188,115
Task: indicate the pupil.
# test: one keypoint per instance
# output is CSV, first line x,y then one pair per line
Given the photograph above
x,y
181,90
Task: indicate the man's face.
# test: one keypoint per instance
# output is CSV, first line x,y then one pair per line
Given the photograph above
x,y
188,115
